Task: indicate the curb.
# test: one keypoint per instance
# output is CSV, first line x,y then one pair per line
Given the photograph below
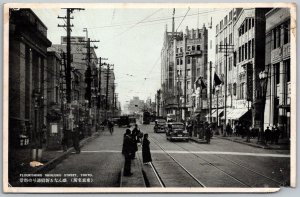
x,y
51,164
250,144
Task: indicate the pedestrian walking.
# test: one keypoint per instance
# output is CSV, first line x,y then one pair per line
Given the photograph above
x,y
276,134
267,135
228,129
248,130
134,136
127,152
110,126
75,138
207,133
146,150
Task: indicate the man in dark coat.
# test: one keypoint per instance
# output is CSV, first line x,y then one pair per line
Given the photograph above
x,y
127,152
267,135
146,150
134,136
207,130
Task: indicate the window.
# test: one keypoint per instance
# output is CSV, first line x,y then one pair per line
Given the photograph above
x,y
217,29
193,48
220,68
178,61
188,48
181,61
188,84
243,50
246,51
249,23
252,22
180,49
230,15
242,91
277,69
230,38
286,34
217,49
229,89
188,72
225,40
180,72
188,60
240,59
249,49
225,20
177,49
221,25
230,64
198,47
246,25
234,89
198,71
278,36
274,38
288,70
252,47
234,58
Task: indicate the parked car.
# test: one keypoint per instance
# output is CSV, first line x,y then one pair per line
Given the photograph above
x,y
160,125
176,131
115,120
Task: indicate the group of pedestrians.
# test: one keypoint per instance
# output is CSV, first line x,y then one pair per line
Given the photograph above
x,y
272,136
130,147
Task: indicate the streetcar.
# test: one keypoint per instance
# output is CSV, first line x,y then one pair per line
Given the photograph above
x,y
146,117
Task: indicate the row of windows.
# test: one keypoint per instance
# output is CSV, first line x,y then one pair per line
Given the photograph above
x,y
277,33
179,61
225,41
246,51
221,25
247,25
189,48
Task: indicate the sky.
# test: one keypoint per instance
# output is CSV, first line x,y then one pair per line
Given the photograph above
x,y
130,38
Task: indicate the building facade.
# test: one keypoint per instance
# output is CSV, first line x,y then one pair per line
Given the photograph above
x,y
224,58
277,72
184,60
27,78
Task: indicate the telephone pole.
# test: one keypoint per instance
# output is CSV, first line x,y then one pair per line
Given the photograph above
x,y
68,27
107,81
210,91
225,49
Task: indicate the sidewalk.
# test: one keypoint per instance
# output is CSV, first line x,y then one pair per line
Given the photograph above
x,y
283,144
50,158
137,179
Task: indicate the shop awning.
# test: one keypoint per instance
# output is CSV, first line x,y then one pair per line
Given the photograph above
x,y
215,114
229,111
212,112
237,113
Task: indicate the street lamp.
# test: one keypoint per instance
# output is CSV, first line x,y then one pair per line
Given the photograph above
x,y
263,77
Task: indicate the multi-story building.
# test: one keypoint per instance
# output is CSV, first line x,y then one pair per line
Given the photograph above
x,y
28,44
277,72
250,57
184,59
55,100
225,35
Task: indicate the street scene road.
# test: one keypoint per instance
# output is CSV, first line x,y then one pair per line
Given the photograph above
x,y
210,86
222,163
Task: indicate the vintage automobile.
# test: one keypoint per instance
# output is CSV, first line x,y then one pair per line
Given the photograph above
x,y
160,125
176,131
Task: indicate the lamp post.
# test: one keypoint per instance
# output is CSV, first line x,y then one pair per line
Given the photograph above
x,y
263,76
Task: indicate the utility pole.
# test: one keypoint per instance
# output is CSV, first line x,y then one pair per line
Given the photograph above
x,y
107,81
185,74
224,49
68,70
68,66
210,91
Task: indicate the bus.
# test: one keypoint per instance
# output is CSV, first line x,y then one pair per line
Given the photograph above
x,y
146,117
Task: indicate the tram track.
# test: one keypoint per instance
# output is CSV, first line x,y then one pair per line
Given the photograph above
x,y
231,161
177,162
